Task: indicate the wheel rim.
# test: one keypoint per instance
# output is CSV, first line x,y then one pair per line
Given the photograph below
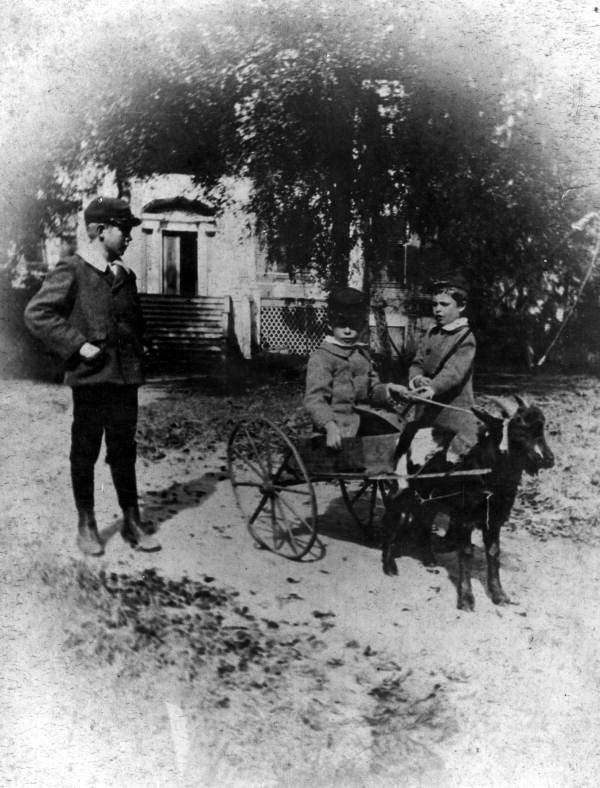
x,y
272,488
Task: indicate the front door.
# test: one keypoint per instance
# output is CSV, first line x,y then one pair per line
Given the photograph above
x,y
180,263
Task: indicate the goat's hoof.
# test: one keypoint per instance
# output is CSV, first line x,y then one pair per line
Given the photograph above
x,y
389,568
466,602
499,597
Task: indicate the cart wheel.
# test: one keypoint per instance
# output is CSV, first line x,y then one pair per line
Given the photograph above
x,y
272,488
366,500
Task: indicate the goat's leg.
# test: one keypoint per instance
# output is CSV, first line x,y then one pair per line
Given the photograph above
x,y
394,523
424,522
491,540
466,600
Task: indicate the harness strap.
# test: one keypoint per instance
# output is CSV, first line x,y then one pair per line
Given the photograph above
x,y
452,351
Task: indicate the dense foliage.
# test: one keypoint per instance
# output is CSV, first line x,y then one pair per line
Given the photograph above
x,y
356,125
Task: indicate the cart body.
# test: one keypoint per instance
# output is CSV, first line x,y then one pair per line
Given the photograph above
x,y
273,478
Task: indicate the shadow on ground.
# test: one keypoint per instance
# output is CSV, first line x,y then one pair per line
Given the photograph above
x,y
337,523
159,506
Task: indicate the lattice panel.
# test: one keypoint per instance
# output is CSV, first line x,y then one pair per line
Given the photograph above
x,y
293,329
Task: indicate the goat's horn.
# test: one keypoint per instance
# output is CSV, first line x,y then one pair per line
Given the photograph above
x,y
520,401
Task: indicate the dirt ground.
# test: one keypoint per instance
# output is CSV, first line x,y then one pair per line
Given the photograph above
x,y
213,663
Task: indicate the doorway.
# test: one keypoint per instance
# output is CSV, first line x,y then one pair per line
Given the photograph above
x,y
180,263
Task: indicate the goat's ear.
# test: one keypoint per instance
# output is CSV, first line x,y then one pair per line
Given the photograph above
x,y
488,419
507,406
521,402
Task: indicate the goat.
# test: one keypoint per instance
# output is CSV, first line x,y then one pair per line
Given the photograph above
x,y
508,446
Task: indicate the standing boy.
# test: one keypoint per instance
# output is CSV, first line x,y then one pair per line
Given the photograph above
x,y
88,312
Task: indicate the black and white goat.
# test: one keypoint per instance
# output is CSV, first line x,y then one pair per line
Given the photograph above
x,y
511,444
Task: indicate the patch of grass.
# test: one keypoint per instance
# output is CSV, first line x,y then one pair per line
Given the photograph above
x,y
406,727
259,698
185,626
563,501
192,418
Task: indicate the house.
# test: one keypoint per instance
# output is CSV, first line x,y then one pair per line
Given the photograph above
x,y
206,289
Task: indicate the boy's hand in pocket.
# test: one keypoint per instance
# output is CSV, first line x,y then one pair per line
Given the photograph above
x,y
88,351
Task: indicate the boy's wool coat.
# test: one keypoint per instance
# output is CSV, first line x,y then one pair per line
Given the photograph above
x,y
453,383
337,378
76,304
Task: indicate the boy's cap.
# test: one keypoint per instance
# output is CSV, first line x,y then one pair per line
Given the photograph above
x,y
455,281
347,299
110,210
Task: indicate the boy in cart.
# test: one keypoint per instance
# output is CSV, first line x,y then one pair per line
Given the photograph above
x,y
442,372
340,375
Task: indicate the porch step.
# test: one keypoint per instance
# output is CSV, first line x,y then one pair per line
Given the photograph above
x,y
187,333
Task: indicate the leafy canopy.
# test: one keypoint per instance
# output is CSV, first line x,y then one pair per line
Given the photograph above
x,y
355,123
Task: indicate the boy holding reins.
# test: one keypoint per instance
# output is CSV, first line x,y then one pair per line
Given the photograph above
x,y
442,372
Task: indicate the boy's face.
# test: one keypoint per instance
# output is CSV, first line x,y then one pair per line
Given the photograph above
x,y
445,309
115,239
345,334
346,327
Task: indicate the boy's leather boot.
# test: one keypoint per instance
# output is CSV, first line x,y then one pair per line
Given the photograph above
x,y
88,538
133,532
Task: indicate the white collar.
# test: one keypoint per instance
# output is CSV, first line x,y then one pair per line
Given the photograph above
x,y
333,341
458,323
92,255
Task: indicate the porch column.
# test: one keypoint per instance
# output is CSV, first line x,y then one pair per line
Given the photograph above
x,y
202,259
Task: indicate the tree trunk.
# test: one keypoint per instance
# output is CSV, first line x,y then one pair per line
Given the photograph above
x,y
341,214
372,265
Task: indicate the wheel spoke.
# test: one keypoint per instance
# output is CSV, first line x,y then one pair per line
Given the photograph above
x,y
256,451
292,510
252,467
277,532
359,493
269,455
290,489
258,509
282,467
362,507
291,538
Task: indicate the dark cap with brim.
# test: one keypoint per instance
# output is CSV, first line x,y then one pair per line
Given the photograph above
x,y
348,307
110,210
348,299
450,282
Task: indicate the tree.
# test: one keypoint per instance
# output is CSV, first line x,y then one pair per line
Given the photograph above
x,y
354,125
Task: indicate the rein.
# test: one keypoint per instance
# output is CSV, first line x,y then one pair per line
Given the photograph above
x,y
416,398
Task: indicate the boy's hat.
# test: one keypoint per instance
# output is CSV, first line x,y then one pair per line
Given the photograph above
x,y
110,210
454,281
348,306
348,299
